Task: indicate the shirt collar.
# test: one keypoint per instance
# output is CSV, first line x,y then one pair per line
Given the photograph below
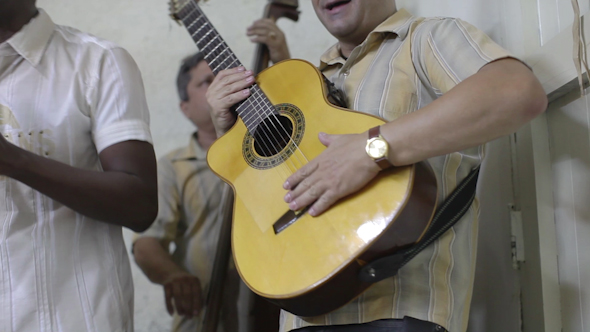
x,y
398,23
192,152
31,41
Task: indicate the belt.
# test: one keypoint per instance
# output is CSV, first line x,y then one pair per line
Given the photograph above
x,y
407,324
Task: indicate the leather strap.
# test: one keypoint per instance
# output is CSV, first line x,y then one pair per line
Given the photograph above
x,y
452,209
382,162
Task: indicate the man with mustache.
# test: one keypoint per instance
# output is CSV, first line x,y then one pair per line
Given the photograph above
x,y
445,89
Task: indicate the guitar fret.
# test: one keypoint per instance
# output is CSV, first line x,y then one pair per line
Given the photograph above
x,y
216,69
191,20
217,57
190,26
212,40
205,36
199,30
217,62
190,11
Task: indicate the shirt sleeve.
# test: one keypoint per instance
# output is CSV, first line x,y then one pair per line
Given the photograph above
x,y
119,109
445,51
165,227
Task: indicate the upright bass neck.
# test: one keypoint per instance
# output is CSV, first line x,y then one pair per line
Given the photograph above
x,y
274,10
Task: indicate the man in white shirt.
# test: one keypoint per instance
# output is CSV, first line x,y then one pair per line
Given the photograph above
x,y
76,164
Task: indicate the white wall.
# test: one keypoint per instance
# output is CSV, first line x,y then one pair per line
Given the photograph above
x,y
157,44
568,121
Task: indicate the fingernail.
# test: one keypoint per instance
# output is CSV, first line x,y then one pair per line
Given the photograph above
x,y
288,198
248,72
246,92
250,79
312,212
241,68
286,185
293,206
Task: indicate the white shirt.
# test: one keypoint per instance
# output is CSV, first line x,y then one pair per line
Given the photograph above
x,y
65,95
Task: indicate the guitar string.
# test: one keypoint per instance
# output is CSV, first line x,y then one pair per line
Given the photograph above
x,y
292,148
282,156
257,113
264,102
191,16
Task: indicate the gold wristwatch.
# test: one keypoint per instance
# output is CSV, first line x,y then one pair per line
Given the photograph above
x,y
377,148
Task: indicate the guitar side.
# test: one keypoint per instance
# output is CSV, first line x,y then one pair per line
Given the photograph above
x,y
301,267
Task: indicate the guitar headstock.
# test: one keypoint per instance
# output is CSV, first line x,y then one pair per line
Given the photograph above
x,y
176,6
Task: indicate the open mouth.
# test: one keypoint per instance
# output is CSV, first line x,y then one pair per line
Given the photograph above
x,y
335,4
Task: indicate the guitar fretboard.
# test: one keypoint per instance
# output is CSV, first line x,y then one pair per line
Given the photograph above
x,y
220,57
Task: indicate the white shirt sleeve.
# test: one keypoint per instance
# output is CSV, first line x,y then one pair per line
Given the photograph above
x,y
118,107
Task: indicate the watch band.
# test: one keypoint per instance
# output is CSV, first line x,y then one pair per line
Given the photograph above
x,y
382,162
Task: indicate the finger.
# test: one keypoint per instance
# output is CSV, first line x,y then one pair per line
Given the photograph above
x,y
229,72
225,94
227,78
305,171
187,298
234,98
327,139
168,299
197,302
256,24
267,23
266,40
231,79
258,31
259,39
305,195
178,301
322,204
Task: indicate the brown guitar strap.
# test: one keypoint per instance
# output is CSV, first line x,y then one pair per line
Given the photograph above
x,y
451,211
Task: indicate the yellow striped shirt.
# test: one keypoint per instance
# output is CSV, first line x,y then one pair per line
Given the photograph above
x,y
402,66
189,194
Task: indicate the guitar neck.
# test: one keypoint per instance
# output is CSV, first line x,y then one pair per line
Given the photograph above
x,y
217,54
220,57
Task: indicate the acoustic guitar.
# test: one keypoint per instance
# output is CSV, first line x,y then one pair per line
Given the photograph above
x,y
306,265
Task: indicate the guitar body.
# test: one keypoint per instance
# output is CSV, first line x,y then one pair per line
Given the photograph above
x,y
308,265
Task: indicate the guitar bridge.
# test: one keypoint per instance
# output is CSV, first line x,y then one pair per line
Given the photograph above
x,y
287,220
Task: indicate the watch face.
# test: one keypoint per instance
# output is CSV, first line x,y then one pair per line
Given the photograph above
x,y
377,148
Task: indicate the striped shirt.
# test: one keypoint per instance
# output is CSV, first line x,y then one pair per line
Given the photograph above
x,y
189,195
402,66
64,95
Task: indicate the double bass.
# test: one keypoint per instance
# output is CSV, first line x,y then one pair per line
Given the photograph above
x,y
265,314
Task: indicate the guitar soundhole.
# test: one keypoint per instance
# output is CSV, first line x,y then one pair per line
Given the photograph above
x,y
273,135
276,138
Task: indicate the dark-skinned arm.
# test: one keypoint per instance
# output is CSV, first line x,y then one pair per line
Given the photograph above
x,y
124,193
